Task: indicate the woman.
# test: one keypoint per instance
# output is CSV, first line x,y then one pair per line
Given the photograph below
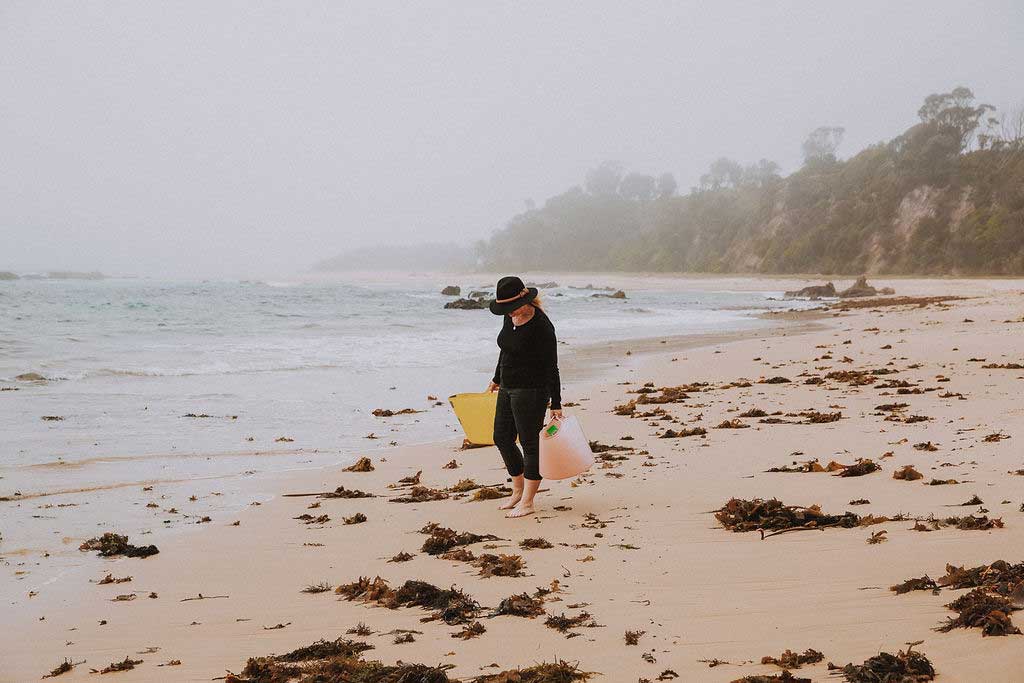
x,y
526,378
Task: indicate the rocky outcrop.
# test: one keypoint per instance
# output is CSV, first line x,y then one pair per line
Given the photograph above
x,y
30,377
862,288
618,294
6,275
814,291
467,304
452,290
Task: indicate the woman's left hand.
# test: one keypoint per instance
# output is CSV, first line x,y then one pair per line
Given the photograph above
x,y
556,414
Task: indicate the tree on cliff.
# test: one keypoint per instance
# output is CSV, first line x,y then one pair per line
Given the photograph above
x,y
821,144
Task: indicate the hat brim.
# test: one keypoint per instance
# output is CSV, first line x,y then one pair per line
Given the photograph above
x,y
509,306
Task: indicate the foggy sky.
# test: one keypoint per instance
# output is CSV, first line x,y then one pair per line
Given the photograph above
x,y
251,139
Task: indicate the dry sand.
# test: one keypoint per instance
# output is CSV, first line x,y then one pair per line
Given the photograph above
x,y
656,561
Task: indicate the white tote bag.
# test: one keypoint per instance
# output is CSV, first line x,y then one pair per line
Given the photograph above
x,y
564,451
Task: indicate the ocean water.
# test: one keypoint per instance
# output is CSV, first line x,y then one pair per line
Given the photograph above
x,y
127,360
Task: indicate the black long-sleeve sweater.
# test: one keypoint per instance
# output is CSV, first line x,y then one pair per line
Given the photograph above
x,y
529,356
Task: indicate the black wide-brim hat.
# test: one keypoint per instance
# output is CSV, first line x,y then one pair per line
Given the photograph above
x,y
510,294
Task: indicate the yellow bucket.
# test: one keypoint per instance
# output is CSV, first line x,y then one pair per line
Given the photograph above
x,y
476,415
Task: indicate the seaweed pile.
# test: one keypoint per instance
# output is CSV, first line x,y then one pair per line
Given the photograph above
x,y
860,468
420,494
362,465
996,591
784,677
559,672
904,667
442,539
112,545
125,665
449,605
966,523
342,492
685,431
793,660
984,610
907,473
521,605
499,565
563,624
336,661
772,515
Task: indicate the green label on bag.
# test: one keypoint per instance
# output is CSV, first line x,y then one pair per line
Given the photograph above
x,y
552,429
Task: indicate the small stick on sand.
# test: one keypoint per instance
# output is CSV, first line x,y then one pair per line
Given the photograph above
x,y
205,597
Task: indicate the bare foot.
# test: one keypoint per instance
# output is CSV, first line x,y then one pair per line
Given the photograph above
x,y
520,511
511,503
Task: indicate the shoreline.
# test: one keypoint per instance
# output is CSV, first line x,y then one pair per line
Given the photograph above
x,y
697,590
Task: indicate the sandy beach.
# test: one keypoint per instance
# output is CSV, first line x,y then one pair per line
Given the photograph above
x,y
635,543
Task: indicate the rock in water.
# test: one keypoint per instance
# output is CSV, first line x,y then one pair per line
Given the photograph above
x,y
815,291
30,377
452,290
467,304
859,288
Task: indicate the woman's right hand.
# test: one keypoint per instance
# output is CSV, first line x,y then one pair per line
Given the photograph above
x,y
492,386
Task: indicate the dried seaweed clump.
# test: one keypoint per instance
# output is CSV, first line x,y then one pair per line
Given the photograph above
x,y
815,417
535,544
322,649
907,473
562,623
362,465
449,605
925,583
684,432
357,518
735,423
856,378
111,545
807,466
793,660
559,672
670,394
773,515
860,468
314,588
1000,576
62,668
500,565
338,668
401,557
127,665
981,609
784,677
633,637
470,631
521,605
443,539
420,494
904,667
342,492
491,493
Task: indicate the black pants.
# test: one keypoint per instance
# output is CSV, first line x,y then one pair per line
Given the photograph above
x,y
520,411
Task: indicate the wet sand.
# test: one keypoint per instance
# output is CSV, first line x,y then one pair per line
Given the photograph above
x,y
635,542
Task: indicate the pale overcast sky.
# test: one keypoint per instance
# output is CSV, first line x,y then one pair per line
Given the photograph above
x,y
246,139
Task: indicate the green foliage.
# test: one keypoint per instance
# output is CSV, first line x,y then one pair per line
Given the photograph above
x,y
919,204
